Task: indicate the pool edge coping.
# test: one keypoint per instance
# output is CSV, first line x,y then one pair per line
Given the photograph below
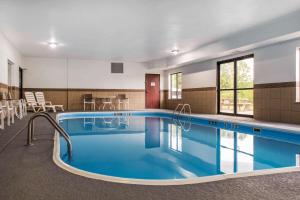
x,y
257,124
197,180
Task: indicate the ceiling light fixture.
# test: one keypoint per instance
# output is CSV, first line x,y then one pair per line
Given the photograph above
x,y
52,45
175,52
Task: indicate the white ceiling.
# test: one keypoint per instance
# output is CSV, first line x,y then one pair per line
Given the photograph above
x,y
130,30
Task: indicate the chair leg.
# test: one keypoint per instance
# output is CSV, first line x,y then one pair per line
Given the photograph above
x,y
2,121
25,109
84,106
33,108
12,116
8,118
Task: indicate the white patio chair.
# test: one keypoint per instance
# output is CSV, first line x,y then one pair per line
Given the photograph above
x,y
31,103
18,108
46,104
2,116
8,112
24,107
122,101
89,100
108,101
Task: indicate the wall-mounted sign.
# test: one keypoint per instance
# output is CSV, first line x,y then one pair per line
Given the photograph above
x,y
152,84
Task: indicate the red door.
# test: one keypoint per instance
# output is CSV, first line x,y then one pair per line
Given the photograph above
x,y
152,90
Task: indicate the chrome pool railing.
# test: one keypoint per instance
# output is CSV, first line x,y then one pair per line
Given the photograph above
x,y
183,109
30,133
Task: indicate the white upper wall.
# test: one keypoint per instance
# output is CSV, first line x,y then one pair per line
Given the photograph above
x,y
45,73
97,74
275,63
76,73
196,75
9,52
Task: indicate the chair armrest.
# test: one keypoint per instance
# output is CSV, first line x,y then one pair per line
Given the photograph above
x,y
48,103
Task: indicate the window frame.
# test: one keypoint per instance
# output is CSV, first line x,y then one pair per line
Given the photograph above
x,y
235,88
177,88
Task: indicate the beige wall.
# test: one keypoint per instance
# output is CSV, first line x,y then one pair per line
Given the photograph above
x,y
202,100
276,102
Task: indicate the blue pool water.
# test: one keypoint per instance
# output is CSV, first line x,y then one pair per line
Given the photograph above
x,y
157,146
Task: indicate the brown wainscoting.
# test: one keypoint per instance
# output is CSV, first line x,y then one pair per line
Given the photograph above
x,y
202,100
3,87
276,102
72,98
13,90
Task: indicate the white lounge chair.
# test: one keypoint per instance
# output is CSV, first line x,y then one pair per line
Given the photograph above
x,y
31,103
46,104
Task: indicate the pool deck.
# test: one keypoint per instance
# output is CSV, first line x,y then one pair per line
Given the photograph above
x,y
29,173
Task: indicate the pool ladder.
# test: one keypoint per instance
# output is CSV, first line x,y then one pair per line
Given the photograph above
x,y
182,108
61,131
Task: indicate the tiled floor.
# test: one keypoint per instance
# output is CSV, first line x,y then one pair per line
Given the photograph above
x,y
28,173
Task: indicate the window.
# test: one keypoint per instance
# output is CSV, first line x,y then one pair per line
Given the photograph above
x,y
235,86
175,86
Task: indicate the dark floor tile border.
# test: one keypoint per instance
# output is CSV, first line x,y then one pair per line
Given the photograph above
x,y
275,85
196,89
199,89
83,89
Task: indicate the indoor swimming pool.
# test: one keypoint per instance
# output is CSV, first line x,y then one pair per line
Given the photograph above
x,y
161,146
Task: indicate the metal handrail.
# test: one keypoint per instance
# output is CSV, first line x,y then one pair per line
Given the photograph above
x,y
183,108
177,108
30,134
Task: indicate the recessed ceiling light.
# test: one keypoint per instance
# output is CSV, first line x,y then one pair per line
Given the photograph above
x,y
52,45
175,52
